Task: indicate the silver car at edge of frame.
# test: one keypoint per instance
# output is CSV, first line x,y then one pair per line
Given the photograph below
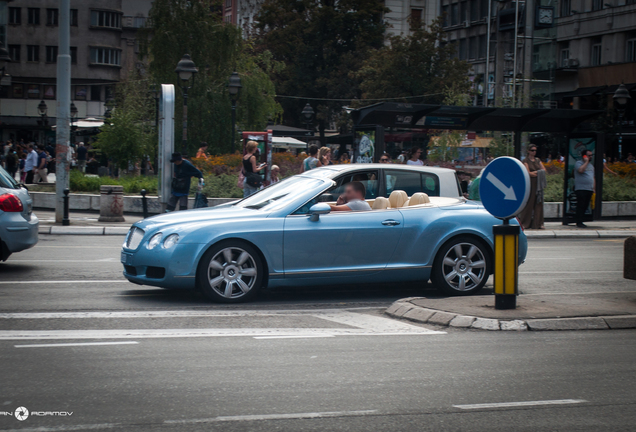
x,y
18,224
419,229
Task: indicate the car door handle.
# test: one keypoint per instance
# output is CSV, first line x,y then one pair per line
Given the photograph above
x,y
390,222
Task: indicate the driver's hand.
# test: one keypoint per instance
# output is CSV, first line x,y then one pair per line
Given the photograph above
x,y
341,200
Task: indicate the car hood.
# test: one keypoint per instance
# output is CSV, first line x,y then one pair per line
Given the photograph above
x,y
188,218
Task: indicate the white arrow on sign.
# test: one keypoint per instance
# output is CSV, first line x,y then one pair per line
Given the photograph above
x,y
509,192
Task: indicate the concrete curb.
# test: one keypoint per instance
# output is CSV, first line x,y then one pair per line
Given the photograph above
x,y
84,230
579,234
404,309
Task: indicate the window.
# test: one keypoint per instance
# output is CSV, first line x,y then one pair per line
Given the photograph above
x,y
74,17
367,178
597,5
73,55
416,18
566,8
463,49
33,53
411,182
445,13
228,3
565,56
15,15
630,55
96,93
463,12
105,19
52,16
454,14
484,8
34,16
14,53
105,56
595,60
51,54
472,48
483,44
474,10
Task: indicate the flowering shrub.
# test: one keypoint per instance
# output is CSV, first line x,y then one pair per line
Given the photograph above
x,y
554,167
231,164
623,169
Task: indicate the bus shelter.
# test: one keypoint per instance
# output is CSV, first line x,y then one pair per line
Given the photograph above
x,y
370,122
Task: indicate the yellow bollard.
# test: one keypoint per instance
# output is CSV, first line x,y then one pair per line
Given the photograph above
x,y
506,274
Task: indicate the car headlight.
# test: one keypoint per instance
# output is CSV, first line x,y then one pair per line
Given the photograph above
x,y
170,241
154,240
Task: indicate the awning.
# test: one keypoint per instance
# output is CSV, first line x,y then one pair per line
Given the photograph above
x,y
581,92
87,123
288,142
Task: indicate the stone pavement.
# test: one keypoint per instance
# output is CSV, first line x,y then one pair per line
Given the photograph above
x,y
614,310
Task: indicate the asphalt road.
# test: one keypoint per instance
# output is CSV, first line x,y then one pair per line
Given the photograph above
x,y
76,338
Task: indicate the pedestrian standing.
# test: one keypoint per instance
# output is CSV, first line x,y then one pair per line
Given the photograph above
x,y
183,173
31,163
81,157
41,173
324,157
253,179
531,217
274,175
414,157
12,163
584,185
311,161
23,168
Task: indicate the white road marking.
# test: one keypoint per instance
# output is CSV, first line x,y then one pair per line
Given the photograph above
x,y
520,404
353,324
76,344
68,428
570,272
295,337
104,260
87,281
294,416
579,293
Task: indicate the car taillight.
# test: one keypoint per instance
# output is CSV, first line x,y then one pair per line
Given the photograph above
x,y
520,224
10,203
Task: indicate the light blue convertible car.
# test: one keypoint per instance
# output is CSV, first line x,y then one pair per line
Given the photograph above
x,y
285,235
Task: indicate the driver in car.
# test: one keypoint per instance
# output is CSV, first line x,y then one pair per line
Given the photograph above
x,y
352,199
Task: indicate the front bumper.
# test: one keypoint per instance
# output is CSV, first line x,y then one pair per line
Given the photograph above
x,y
17,233
173,268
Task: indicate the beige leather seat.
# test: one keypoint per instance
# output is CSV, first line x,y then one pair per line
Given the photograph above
x,y
398,198
380,203
419,198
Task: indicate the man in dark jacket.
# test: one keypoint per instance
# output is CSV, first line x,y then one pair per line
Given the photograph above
x,y
183,173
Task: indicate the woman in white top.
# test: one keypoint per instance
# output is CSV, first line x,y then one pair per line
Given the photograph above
x,y
414,157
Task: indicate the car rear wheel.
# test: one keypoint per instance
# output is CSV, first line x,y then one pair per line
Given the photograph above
x,y
231,272
462,266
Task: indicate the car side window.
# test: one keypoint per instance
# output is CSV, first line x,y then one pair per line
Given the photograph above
x,y
411,182
368,178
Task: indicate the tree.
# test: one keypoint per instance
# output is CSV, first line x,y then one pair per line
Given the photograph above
x,y
418,64
319,42
130,133
196,28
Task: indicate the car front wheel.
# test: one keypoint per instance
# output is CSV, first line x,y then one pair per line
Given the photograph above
x,y
462,266
231,272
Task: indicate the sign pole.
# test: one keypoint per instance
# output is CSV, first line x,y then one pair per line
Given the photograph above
x,y
506,275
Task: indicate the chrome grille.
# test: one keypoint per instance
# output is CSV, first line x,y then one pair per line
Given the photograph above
x,y
134,237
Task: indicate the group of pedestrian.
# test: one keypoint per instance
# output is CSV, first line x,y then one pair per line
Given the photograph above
x,y
27,162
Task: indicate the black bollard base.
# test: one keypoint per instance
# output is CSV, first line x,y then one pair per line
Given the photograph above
x,y
505,301
65,219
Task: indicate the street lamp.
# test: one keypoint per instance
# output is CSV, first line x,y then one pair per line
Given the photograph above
x,y
73,117
308,115
621,99
186,70
4,59
234,88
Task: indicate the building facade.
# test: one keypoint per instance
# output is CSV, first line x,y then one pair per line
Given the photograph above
x,y
103,51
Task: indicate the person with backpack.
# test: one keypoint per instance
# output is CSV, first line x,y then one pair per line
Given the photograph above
x,y
183,173
253,180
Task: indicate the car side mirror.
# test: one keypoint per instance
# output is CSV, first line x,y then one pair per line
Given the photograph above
x,y
318,209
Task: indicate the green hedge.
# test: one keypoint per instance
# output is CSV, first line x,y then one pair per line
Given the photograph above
x,y
614,188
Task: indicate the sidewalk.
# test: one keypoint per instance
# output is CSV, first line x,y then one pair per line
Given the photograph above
x,y
533,312
596,229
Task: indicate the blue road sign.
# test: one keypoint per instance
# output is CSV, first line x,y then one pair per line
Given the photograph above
x,y
504,187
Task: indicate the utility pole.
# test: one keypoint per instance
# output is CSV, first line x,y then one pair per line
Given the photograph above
x,y
62,155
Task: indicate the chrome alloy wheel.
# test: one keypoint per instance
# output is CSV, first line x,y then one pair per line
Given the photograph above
x,y
464,267
232,272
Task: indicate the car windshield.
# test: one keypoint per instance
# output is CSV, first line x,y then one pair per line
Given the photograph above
x,y
280,193
6,181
